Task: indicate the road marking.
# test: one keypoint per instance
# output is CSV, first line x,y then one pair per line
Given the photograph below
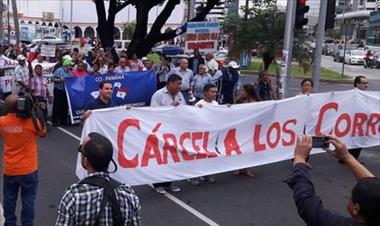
x,y
167,195
189,208
66,131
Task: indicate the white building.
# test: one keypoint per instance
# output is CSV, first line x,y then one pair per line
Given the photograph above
x,y
81,16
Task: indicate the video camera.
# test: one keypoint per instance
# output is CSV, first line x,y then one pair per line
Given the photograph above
x,y
26,108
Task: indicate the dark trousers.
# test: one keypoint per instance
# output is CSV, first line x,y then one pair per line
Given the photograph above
x,y
28,185
165,184
60,107
186,96
355,152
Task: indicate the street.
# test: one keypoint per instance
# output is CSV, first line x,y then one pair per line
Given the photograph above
x,y
233,200
350,70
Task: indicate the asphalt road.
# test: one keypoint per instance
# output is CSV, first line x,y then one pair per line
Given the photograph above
x,y
233,200
350,70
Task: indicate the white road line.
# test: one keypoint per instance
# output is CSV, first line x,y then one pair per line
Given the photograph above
x,y
67,132
167,195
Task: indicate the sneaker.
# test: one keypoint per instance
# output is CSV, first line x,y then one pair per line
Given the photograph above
x,y
210,179
160,190
194,181
174,188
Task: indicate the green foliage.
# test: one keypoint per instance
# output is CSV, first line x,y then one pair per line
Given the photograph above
x,y
128,30
262,29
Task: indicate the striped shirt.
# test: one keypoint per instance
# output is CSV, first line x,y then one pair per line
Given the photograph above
x,y
38,86
61,73
80,205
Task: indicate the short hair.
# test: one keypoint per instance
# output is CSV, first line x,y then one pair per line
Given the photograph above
x,y
98,150
102,83
366,193
250,90
307,80
207,87
123,57
357,80
38,65
174,78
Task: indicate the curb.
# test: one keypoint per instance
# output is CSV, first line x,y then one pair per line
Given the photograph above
x,y
340,81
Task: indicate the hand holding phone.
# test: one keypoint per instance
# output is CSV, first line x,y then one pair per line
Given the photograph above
x,y
320,142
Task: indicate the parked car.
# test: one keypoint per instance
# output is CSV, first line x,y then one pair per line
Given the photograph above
x,y
328,47
355,56
339,51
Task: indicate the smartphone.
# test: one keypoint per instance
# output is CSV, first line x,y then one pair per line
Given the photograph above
x,y
320,142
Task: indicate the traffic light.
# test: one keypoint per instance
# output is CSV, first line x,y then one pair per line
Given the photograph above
x,y
302,8
330,14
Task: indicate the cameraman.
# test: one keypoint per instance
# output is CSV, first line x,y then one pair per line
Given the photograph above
x,y
264,87
20,162
364,204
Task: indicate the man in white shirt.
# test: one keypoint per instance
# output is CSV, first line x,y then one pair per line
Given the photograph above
x,y
169,95
211,64
209,94
21,74
122,68
187,76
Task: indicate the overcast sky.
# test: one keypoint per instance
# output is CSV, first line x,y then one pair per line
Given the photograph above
x,y
84,10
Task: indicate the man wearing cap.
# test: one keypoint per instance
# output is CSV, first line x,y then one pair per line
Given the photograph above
x,y
230,79
60,106
21,74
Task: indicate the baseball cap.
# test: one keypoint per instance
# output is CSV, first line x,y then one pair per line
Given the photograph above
x,y
233,64
21,57
144,58
68,62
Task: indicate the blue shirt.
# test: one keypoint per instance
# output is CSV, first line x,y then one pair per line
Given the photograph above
x,y
61,73
200,82
99,104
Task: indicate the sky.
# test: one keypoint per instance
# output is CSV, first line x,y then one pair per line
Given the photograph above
x,y
84,10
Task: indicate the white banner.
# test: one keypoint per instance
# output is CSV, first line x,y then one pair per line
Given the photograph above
x,y
202,36
157,144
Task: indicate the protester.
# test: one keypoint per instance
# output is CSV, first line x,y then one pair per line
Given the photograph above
x,y
209,94
248,95
307,87
95,69
360,83
148,65
21,74
59,57
111,69
60,106
100,61
135,63
85,203
229,81
264,87
169,95
163,71
6,83
122,68
187,78
195,61
364,204
39,89
211,64
20,167
200,80
104,100
80,70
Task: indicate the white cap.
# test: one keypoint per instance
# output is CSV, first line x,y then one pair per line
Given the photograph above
x,y
144,58
67,57
21,57
233,64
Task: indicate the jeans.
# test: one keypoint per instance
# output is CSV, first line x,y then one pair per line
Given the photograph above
x,y
11,185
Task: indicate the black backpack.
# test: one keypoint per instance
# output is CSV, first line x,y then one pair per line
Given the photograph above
x,y
109,187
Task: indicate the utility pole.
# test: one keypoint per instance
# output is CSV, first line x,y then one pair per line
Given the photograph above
x,y
286,63
320,36
1,21
9,25
15,21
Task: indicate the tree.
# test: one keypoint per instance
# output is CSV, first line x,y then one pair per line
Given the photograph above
x,y
261,28
129,29
142,41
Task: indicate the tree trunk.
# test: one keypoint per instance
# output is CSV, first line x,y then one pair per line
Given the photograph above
x,y
138,39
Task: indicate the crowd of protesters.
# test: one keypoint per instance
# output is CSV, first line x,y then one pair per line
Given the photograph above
x,y
199,80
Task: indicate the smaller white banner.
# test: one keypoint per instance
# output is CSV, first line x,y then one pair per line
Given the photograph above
x,y
202,36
